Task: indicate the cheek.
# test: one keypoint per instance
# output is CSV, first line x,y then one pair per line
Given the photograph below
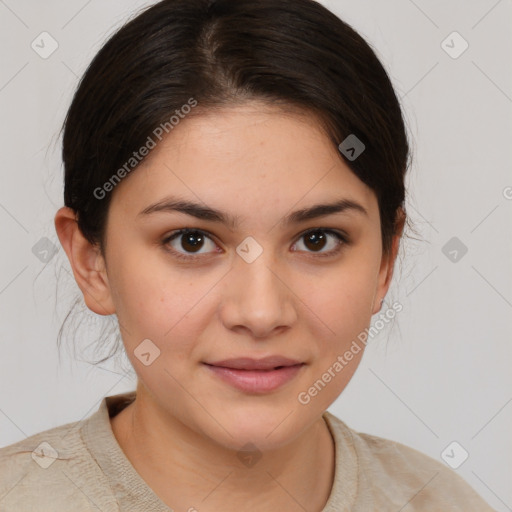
x,y
342,301
343,307
149,299
171,311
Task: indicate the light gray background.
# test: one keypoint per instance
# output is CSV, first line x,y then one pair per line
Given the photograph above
x,y
441,372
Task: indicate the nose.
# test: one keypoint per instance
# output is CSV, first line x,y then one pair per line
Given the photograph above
x,y
258,298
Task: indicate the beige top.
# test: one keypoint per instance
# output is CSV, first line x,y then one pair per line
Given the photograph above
x,y
80,467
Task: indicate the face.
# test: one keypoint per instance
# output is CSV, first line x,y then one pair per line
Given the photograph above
x,y
260,282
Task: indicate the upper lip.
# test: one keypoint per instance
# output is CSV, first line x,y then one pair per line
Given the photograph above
x,y
248,363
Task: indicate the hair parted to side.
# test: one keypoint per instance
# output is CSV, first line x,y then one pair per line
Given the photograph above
x,y
294,54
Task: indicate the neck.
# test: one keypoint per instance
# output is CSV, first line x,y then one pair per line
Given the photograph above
x,y
187,469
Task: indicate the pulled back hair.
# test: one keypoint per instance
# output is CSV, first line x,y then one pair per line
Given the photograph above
x,y
294,54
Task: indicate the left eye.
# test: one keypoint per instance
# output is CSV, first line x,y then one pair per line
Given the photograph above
x,y
193,240
317,239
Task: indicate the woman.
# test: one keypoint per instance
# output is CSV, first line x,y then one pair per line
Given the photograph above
x,y
234,194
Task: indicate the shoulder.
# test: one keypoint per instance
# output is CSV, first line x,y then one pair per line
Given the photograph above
x,y
393,474
51,471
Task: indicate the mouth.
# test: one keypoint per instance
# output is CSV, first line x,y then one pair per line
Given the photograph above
x,y
269,363
260,370
256,381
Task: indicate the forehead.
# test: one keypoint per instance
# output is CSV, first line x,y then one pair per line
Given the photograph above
x,y
250,157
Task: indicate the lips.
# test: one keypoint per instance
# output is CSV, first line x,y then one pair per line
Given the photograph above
x,y
247,363
256,376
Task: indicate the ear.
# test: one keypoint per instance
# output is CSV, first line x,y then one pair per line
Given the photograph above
x,y
86,262
388,264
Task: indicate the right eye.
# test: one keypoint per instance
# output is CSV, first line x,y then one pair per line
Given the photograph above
x,y
187,239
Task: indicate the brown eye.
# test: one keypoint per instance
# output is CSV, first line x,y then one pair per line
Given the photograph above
x,y
318,239
188,242
192,241
315,240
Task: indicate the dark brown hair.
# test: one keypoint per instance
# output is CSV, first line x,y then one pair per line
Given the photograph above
x,y
294,54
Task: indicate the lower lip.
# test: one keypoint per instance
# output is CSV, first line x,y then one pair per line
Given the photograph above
x,y
256,381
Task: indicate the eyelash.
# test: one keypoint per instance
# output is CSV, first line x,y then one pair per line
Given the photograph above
x,y
341,237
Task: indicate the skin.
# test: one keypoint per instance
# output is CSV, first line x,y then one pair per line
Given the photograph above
x,y
183,432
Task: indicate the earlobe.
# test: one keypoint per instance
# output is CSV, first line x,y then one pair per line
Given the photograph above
x,y
86,262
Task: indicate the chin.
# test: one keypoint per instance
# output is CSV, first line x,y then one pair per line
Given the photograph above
x,y
266,431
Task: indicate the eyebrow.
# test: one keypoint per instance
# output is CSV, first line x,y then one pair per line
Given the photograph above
x,y
210,214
